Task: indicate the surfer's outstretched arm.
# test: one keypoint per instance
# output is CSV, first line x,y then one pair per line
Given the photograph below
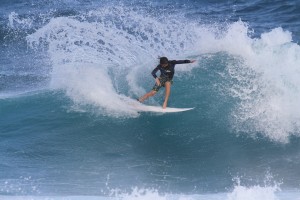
x,y
181,61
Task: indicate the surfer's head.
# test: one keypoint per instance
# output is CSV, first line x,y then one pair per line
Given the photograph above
x,y
163,61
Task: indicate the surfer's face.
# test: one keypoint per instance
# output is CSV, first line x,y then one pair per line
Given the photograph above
x,y
164,65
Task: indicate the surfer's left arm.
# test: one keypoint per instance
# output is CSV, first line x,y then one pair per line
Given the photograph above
x,y
183,61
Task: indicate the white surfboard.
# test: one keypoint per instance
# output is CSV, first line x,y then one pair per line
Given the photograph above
x,y
145,108
161,110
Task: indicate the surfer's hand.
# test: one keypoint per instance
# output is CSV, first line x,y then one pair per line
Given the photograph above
x,y
192,61
157,81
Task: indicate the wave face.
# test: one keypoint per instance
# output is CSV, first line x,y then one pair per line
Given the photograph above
x,y
70,70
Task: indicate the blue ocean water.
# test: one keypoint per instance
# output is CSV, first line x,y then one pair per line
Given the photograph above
x,y
68,69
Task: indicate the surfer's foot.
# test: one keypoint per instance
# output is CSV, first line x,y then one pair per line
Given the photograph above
x,y
164,105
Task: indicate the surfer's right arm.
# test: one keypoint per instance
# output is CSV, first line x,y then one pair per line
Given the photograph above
x,y
155,76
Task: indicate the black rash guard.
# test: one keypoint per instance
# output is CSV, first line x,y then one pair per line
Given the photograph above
x,y
168,71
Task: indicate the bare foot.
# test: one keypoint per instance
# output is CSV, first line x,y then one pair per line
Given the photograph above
x,y
164,105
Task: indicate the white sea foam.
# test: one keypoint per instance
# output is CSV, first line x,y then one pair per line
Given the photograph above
x,y
267,85
270,190
16,21
239,193
263,77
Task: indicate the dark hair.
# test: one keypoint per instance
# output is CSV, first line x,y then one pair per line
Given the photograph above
x,y
163,60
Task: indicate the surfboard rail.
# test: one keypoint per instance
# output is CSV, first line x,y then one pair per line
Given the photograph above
x,y
147,108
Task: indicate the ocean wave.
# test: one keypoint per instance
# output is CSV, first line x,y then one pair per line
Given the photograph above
x,y
98,49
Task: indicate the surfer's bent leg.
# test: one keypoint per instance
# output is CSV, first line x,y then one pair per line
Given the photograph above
x,y
151,93
146,96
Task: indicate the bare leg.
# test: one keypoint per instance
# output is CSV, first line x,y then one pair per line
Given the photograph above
x,y
168,91
146,96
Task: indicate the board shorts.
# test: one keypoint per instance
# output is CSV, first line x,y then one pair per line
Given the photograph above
x,y
162,83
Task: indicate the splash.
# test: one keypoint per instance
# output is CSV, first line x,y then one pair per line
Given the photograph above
x,y
253,193
15,21
262,75
267,86
268,191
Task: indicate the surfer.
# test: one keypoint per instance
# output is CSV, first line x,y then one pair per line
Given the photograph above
x,y
166,68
